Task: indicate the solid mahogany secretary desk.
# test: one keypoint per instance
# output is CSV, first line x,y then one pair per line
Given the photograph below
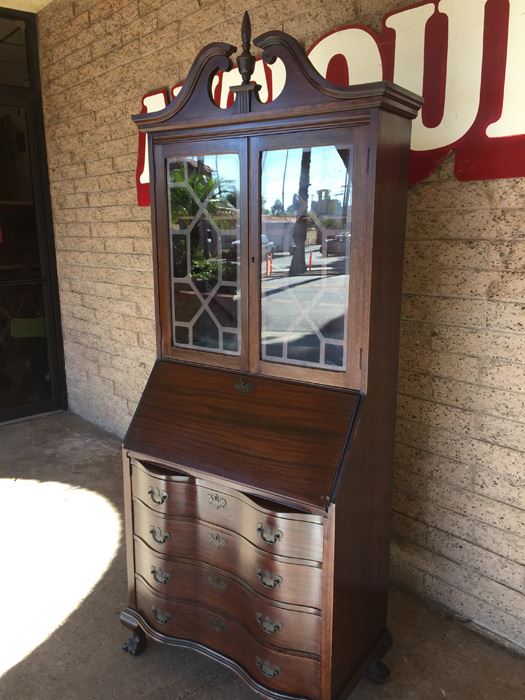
x,y
258,463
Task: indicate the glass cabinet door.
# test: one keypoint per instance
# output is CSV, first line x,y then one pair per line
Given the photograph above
x,y
205,252
305,242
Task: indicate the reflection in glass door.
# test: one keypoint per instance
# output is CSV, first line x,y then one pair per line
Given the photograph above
x,y
305,255
24,363
205,250
31,372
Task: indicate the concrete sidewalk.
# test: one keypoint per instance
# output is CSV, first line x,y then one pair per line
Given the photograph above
x,y
433,656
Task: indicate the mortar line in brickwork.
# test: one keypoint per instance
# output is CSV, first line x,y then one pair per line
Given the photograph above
x,y
451,459
473,570
477,411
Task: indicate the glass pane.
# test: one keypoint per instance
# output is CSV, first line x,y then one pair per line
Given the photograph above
x,y
19,253
24,365
15,166
13,53
305,255
205,249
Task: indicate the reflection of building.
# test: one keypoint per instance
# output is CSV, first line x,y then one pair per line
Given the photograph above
x,y
279,230
325,205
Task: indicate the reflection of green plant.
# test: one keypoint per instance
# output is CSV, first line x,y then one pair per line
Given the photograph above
x,y
202,268
221,197
221,204
179,256
229,271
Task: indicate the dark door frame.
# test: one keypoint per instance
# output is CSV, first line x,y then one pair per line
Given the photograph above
x,y
30,99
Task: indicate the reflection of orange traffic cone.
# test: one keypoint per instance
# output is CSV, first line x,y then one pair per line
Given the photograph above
x,y
266,266
310,263
271,263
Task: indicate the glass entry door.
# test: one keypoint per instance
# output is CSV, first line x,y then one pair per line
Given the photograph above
x,y
31,368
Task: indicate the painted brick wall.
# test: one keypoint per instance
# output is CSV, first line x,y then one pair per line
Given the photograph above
x,y
459,513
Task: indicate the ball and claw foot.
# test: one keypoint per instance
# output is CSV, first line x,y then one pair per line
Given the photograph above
x,y
136,643
378,672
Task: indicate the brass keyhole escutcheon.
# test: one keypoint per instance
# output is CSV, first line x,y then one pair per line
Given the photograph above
x,y
242,386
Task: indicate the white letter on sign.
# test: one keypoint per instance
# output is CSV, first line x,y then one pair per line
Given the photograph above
x,y
409,26
463,78
152,103
512,120
360,50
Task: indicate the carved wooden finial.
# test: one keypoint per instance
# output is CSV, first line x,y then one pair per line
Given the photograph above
x,y
246,61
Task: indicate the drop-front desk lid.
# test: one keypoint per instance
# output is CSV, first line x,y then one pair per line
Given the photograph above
x,y
277,437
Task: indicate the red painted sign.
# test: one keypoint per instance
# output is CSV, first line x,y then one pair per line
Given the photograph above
x,y
467,59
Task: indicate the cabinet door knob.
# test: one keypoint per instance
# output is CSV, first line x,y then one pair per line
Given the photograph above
x,y
267,535
266,668
161,616
159,535
268,579
159,575
157,495
268,625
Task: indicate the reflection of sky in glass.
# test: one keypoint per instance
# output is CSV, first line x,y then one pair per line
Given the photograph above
x,y
225,166
327,172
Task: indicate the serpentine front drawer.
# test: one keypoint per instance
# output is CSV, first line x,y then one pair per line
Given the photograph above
x,y
273,528
287,627
275,577
291,673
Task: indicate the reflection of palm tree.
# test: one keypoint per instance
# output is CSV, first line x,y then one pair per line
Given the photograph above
x,y
217,196
219,193
298,264
284,175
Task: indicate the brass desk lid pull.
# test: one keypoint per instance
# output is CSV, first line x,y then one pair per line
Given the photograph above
x,y
242,386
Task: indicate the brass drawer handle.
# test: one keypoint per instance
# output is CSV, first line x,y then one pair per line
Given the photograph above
x,y
217,582
161,616
216,501
159,535
266,668
157,496
218,625
268,625
217,540
268,579
159,575
267,535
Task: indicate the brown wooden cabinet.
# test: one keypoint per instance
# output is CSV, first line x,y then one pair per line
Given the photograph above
x,y
258,464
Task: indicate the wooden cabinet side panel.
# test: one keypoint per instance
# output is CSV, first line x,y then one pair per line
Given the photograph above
x,y
327,605
362,525
128,528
